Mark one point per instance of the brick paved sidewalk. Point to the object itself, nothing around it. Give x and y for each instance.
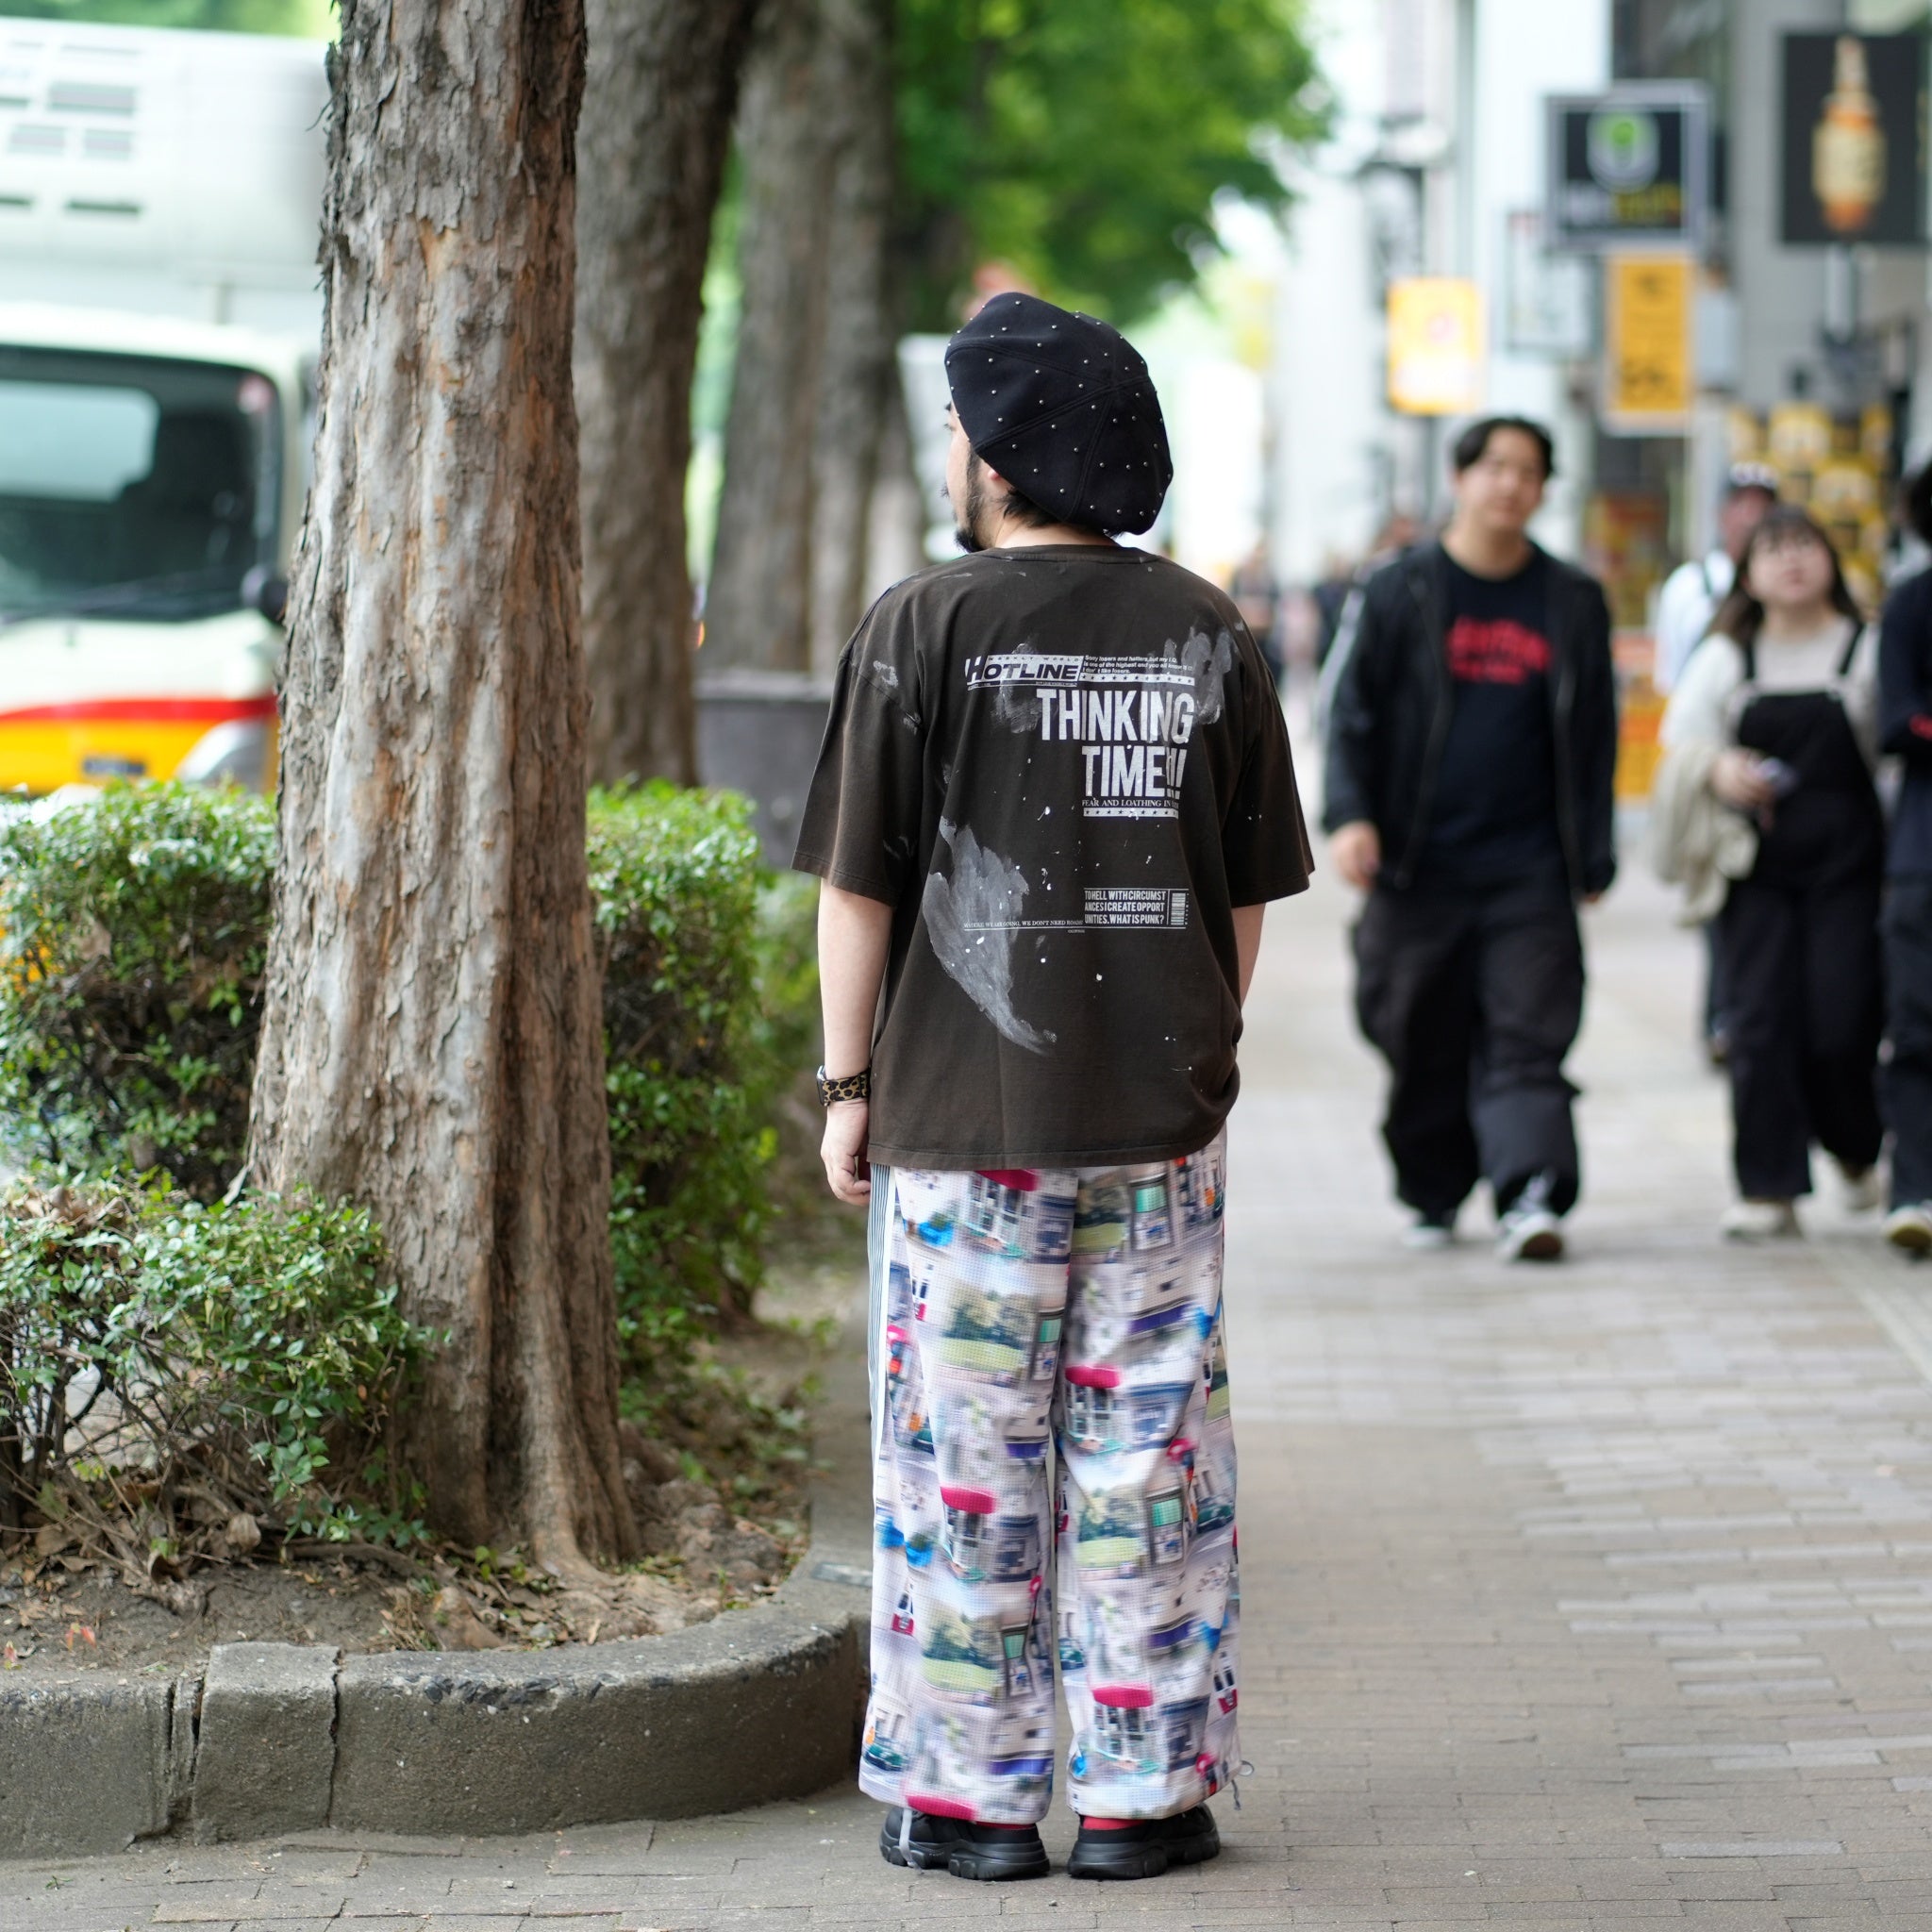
(1594, 1597)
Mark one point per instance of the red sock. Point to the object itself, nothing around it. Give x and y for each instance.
(1107, 1823)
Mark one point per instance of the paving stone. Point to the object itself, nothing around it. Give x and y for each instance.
(202, 1911)
(441, 1922)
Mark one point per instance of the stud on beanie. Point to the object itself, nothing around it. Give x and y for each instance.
(1063, 408)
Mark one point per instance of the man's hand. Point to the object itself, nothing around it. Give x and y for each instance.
(1739, 780)
(842, 1150)
(1356, 853)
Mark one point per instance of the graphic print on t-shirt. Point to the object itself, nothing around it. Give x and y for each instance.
(1494, 809)
(1129, 719)
(1061, 767)
(1496, 650)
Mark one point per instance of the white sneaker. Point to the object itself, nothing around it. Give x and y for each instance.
(1530, 1230)
(1427, 1236)
(1761, 1220)
(1859, 1190)
(1909, 1228)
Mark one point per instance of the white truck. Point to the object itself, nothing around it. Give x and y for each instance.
(159, 321)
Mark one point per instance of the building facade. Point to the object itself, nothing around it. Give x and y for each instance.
(1813, 356)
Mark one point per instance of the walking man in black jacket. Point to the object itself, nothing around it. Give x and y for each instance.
(1472, 747)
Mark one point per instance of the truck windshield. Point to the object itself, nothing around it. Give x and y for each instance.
(142, 487)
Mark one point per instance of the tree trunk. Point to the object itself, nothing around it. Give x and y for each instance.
(758, 601)
(859, 340)
(432, 1043)
(661, 88)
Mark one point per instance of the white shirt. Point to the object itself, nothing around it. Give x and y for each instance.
(1685, 606)
(1704, 709)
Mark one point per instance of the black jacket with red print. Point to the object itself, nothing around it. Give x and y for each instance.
(1393, 696)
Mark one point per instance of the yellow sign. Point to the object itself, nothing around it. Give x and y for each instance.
(1435, 345)
(1649, 301)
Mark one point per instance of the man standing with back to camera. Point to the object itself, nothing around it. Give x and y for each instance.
(1054, 799)
(1471, 758)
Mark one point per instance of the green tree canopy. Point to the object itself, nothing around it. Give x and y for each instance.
(1084, 141)
(230, 16)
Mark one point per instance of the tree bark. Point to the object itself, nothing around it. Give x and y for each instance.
(858, 364)
(758, 600)
(660, 91)
(432, 1043)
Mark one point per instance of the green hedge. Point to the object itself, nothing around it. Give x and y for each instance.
(133, 932)
(169, 1367)
(710, 994)
(132, 936)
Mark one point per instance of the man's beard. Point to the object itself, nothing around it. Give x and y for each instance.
(969, 518)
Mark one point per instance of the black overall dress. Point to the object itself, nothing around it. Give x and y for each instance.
(1801, 949)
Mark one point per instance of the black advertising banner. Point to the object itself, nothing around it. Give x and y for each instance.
(1627, 169)
(1853, 140)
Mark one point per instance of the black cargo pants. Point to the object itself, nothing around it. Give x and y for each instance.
(1802, 981)
(1474, 998)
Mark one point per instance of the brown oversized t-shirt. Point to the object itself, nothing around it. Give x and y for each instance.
(1063, 767)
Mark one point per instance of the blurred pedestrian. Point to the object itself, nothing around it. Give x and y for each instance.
(1339, 602)
(1694, 591)
(1685, 606)
(1775, 720)
(1470, 750)
(1399, 532)
(1054, 799)
(1257, 598)
(1329, 593)
(1338, 596)
(1904, 731)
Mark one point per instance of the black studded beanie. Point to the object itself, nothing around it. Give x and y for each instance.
(1063, 408)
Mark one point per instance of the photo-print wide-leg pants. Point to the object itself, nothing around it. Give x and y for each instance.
(1049, 1378)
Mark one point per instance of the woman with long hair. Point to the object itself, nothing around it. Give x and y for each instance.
(1774, 717)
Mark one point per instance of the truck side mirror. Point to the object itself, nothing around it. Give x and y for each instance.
(263, 591)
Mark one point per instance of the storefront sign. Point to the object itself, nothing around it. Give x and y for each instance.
(1435, 345)
(1853, 140)
(1628, 169)
(1649, 380)
(1547, 304)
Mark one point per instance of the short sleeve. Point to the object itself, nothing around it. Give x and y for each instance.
(860, 825)
(1264, 838)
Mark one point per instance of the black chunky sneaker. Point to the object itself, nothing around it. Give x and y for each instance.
(1146, 1848)
(958, 1845)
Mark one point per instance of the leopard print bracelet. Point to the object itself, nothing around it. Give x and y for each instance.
(848, 1086)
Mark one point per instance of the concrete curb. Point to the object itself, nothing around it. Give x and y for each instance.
(760, 1704)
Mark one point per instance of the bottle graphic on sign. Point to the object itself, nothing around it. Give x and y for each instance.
(1848, 144)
